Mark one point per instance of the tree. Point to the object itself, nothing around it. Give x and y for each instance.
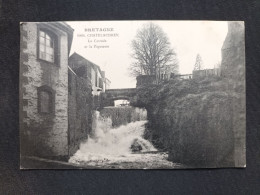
(152, 52)
(199, 63)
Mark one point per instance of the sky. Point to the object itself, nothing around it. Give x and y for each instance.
(187, 38)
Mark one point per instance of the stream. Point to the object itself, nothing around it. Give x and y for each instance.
(121, 147)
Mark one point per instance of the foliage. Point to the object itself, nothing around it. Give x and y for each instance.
(192, 119)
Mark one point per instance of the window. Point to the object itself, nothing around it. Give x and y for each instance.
(45, 104)
(45, 100)
(101, 83)
(46, 47)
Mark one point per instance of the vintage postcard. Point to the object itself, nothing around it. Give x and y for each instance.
(132, 95)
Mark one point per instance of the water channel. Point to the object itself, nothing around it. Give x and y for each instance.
(121, 147)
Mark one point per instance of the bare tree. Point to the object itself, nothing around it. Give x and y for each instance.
(199, 63)
(152, 52)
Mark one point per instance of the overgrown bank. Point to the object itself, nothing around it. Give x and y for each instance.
(201, 122)
(192, 119)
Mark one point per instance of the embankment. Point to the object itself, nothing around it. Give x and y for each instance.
(193, 120)
(201, 122)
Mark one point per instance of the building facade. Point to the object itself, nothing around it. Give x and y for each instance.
(44, 51)
(87, 69)
(57, 93)
(91, 72)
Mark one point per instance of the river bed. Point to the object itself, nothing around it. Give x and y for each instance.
(122, 147)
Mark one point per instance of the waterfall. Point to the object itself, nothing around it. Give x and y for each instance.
(108, 142)
(124, 114)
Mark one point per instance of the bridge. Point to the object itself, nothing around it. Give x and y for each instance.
(110, 95)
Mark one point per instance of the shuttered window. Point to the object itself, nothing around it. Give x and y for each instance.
(46, 99)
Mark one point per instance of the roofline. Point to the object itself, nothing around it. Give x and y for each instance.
(88, 61)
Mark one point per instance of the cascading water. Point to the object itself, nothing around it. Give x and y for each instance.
(120, 147)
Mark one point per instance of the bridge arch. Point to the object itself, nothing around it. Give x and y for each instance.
(110, 95)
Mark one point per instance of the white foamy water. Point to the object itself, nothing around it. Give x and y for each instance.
(111, 147)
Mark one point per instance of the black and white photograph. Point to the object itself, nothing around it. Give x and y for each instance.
(133, 94)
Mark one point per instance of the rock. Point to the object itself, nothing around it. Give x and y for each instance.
(136, 146)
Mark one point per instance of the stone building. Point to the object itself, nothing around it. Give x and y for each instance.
(91, 72)
(87, 69)
(56, 92)
(44, 51)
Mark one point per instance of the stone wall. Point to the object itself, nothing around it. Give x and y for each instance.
(79, 111)
(43, 134)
